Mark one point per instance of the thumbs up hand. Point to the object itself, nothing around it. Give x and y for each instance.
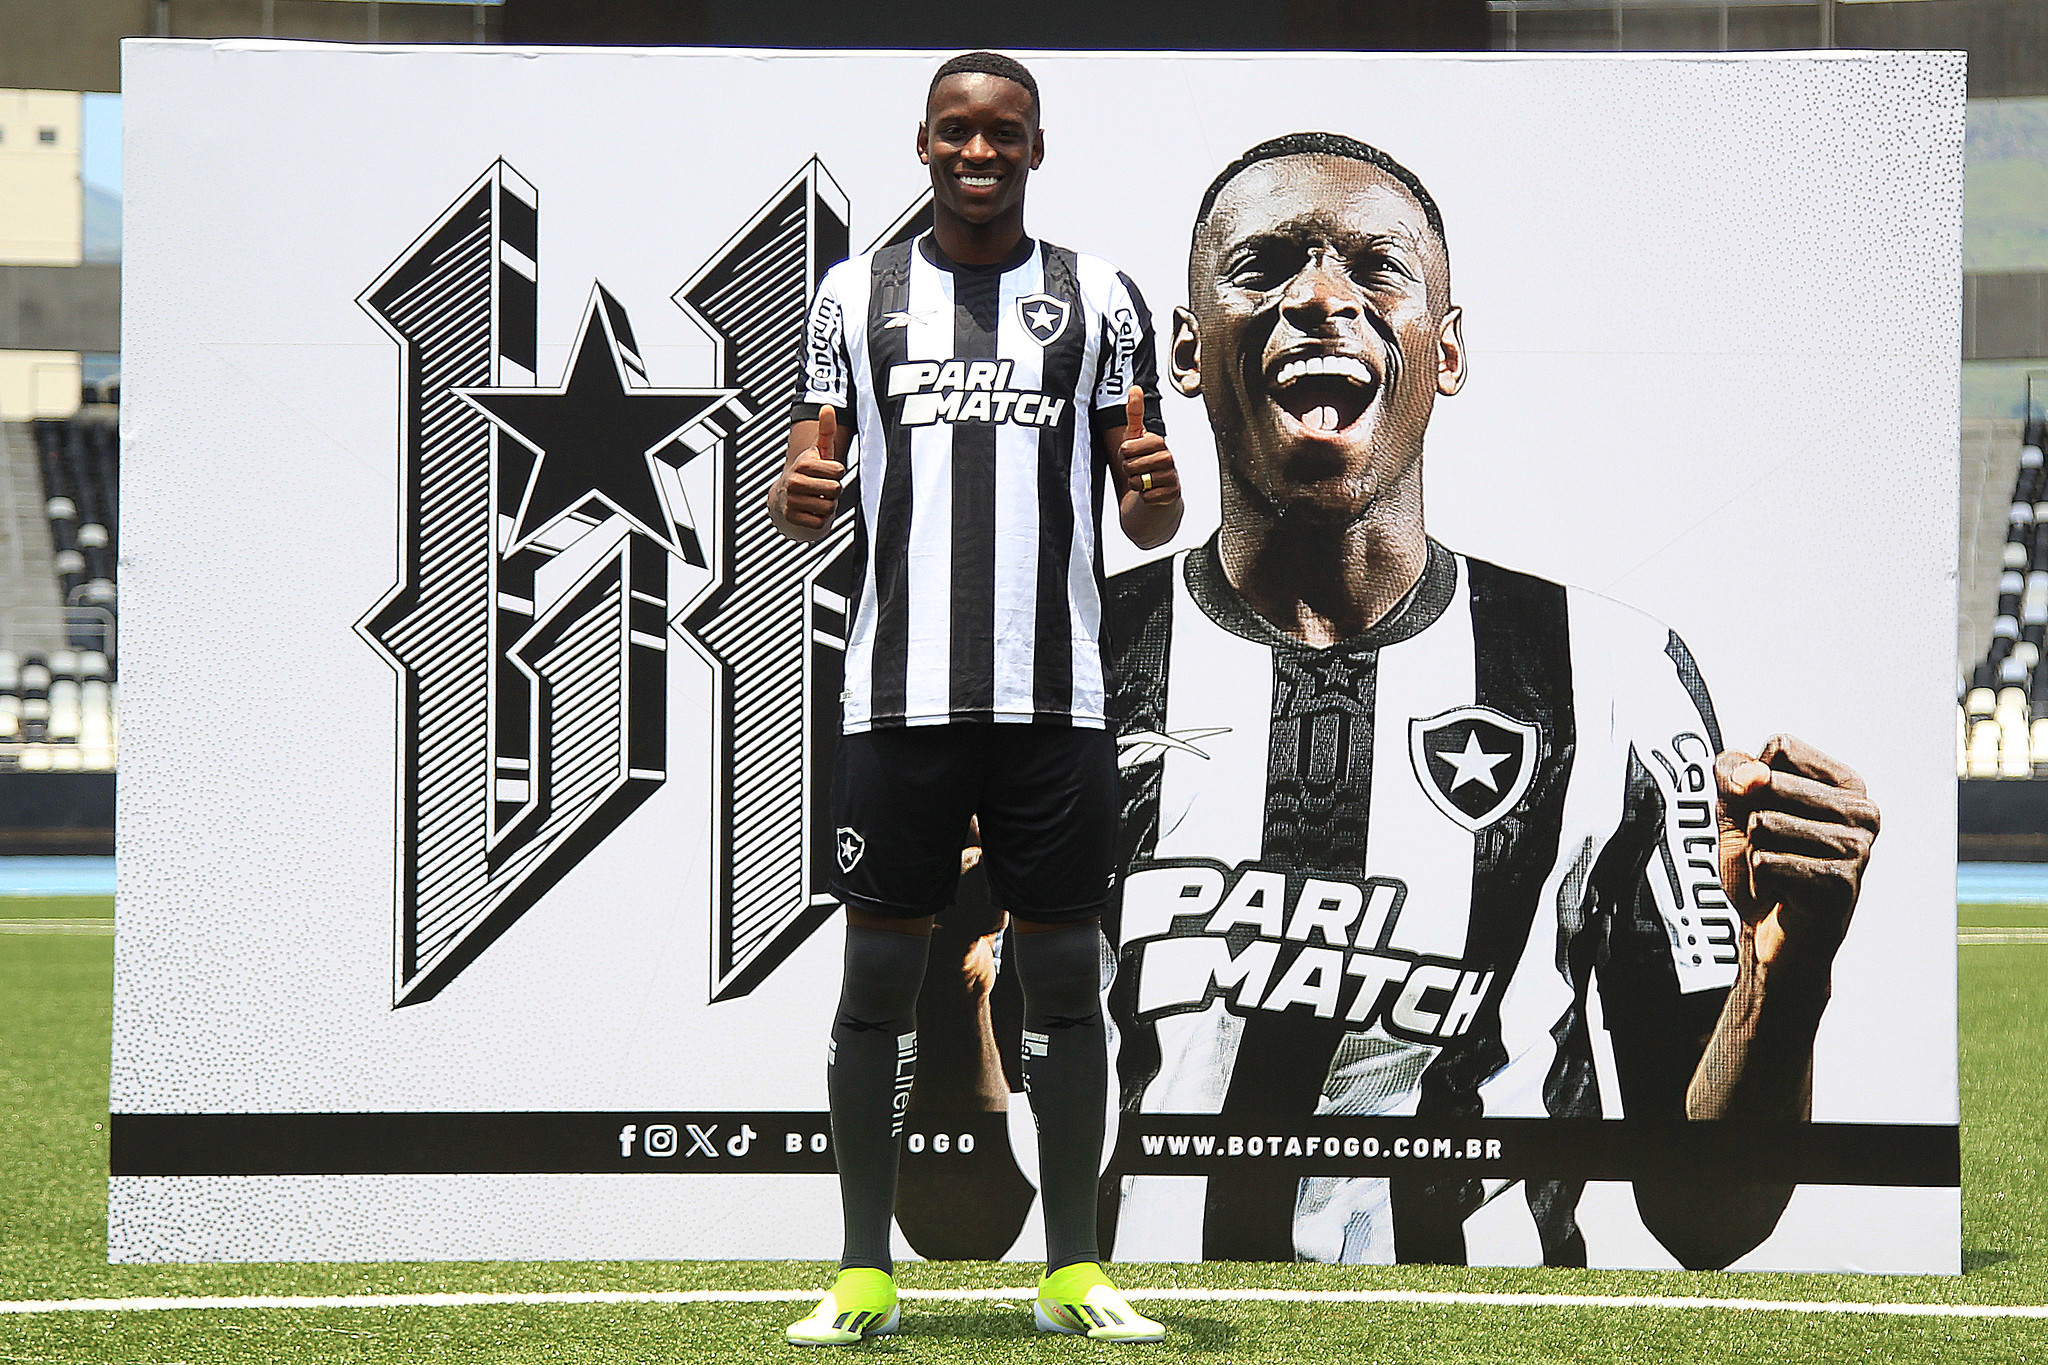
(803, 498)
(1143, 463)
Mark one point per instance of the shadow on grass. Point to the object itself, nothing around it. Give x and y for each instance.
(1978, 1259)
(987, 1323)
(1191, 1334)
(1198, 1334)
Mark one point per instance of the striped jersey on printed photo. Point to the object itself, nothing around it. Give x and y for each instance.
(1460, 866)
(976, 393)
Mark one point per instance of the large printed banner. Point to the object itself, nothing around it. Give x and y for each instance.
(475, 819)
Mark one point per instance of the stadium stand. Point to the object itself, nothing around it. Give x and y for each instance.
(81, 469)
(59, 515)
(2002, 702)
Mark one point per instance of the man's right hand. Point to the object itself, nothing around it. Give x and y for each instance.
(804, 497)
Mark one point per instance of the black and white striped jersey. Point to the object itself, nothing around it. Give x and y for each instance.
(1461, 866)
(976, 393)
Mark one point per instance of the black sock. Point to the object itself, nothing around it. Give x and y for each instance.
(872, 1059)
(1066, 1069)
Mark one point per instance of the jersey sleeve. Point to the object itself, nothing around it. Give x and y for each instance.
(827, 372)
(1669, 952)
(1129, 355)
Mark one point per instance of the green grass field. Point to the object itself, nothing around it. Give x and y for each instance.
(55, 996)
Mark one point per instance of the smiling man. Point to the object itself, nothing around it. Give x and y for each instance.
(994, 384)
(1407, 834)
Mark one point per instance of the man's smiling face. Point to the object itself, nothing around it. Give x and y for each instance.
(981, 139)
(1321, 335)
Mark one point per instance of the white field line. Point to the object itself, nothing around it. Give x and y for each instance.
(1023, 1294)
(1966, 937)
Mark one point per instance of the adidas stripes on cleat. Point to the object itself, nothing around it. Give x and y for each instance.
(1080, 1300)
(860, 1304)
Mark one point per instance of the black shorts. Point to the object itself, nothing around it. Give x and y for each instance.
(1046, 796)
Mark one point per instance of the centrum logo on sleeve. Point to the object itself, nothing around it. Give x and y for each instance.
(969, 391)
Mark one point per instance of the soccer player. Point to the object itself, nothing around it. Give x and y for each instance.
(1406, 833)
(992, 381)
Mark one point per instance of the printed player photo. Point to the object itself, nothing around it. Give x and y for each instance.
(1405, 832)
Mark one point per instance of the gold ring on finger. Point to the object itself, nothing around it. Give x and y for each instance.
(1145, 482)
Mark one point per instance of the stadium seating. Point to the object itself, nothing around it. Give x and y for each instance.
(57, 711)
(2002, 706)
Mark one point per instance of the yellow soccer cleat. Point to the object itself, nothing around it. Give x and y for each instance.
(860, 1304)
(1080, 1300)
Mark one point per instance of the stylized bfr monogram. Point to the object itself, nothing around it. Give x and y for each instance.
(551, 563)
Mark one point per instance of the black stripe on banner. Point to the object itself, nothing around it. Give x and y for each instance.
(798, 1142)
(977, 299)
(1138, 621)
(647, 696)
(1695, 686)
(1571, 1088)
(1894, 1155)
(1658, 1029)
(1318, 797)
(518, 296)
(889, 539)
(1522, 666)
(759, 1142)
(1052, 642)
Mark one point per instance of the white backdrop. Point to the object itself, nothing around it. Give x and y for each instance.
(1711, 305)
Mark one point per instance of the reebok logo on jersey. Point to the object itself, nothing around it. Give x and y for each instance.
(1142, 746)
(1260, 938)
(1473, 762)
(1044, 316)
(969, 391)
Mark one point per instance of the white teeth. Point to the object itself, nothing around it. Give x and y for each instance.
(1343, 366)
(977, 180)
(1321, 419)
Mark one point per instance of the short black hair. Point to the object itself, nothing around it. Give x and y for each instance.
(1323, 144)
(987, 64)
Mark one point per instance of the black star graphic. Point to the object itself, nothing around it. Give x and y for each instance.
(596, 435)
(1330, 679)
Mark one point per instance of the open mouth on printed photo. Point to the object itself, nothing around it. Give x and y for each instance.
(1324, 394)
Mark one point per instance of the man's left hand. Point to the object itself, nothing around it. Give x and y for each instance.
(1143, 459)
(1796, 828)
